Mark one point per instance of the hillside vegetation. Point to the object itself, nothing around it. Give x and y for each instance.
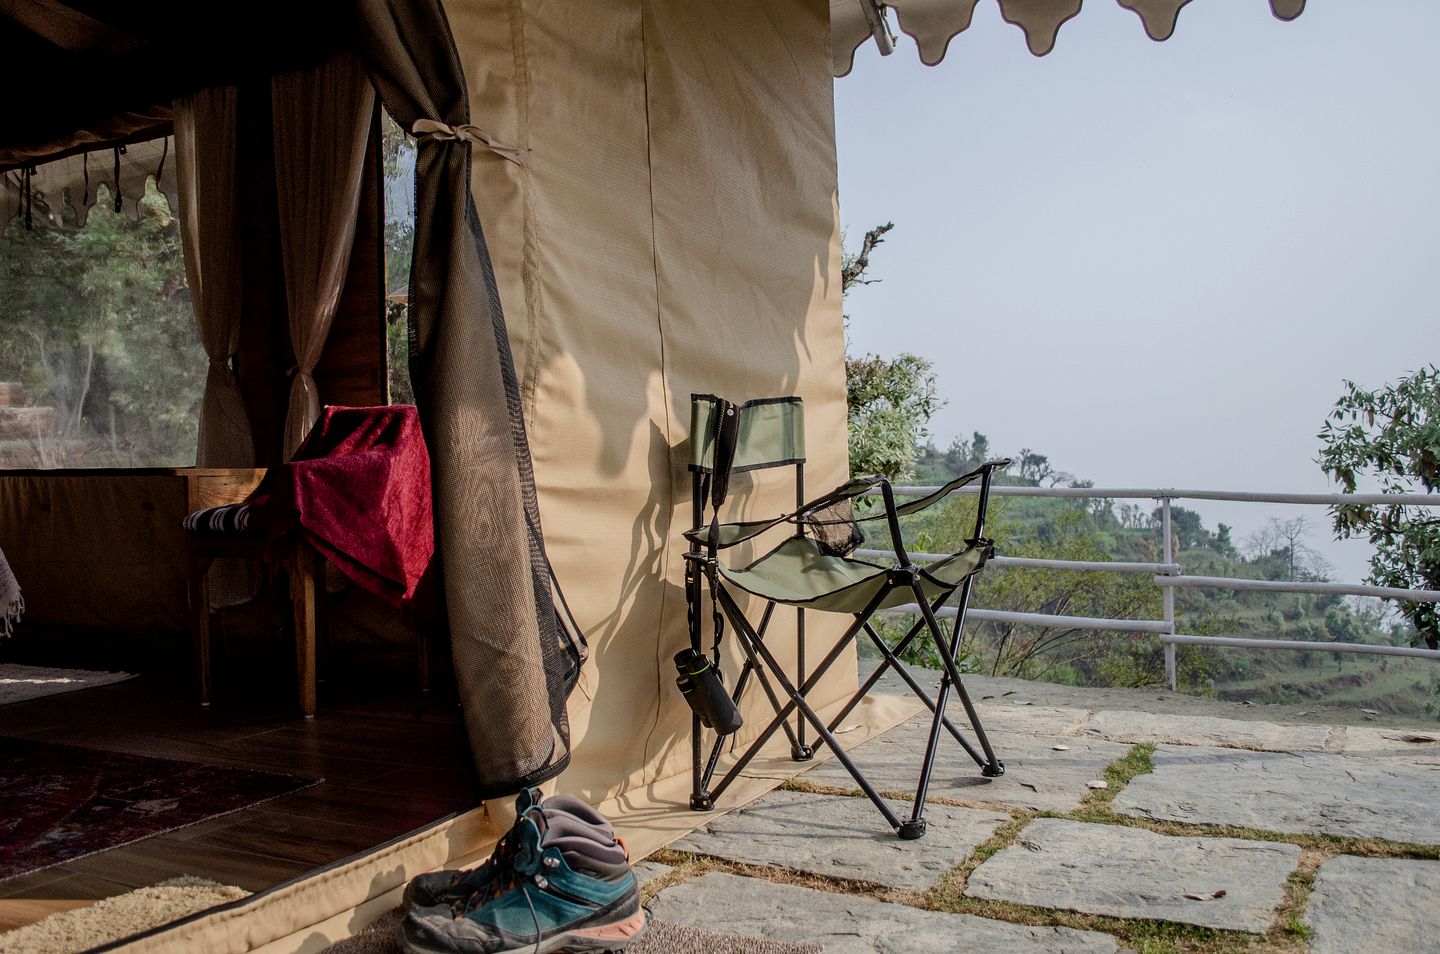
(1103, 530)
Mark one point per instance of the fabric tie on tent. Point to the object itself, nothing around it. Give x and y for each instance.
(466, 132)
(358, 491)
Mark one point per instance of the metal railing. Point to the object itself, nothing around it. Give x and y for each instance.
(1168, 575)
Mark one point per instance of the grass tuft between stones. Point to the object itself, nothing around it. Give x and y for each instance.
(1122, 771)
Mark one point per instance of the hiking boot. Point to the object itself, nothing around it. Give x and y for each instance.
(451, 886)
(563, 890)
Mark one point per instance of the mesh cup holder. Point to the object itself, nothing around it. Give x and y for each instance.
(834, 528)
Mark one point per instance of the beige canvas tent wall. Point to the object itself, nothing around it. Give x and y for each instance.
(673, 231)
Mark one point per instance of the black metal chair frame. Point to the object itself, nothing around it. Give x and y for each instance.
(702, 570)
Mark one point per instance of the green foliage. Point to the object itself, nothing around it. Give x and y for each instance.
(890, 402)
(962, 456)
(397, 354)
(1098, 531)
(97, 324)
(399, 165)
(1121, 772)
(1392, 435)
(1050, 529)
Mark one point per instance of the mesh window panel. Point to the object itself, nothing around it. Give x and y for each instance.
(514, 662)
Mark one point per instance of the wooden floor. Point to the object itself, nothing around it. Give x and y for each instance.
(391, 763)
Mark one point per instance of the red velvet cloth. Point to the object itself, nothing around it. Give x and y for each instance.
(358, 491)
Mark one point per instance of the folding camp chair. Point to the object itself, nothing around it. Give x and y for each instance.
(813, 568)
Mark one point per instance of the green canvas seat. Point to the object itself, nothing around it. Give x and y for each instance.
(814, 568)
(800, 573)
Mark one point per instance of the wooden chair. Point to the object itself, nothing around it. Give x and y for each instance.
(216, 487)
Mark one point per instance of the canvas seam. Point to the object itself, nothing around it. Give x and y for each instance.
(669, 510)
(530, 285)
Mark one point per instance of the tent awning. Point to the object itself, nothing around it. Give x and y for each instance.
(932, 24)
(108, 78)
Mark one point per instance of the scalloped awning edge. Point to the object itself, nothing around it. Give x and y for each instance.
(932, 24)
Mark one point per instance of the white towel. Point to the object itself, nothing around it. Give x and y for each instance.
(12, 604)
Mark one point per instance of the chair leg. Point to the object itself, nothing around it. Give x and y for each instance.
(797, 699)
(892, 662)
(748, 639)
(202, 629)
(302, 594)
(942, 697)
(752, 666)
(993, 767)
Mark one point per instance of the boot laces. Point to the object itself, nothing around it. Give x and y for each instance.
(502, 879)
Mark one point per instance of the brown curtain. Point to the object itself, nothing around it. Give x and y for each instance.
(205, 166)
(322, 121)
(513, 661)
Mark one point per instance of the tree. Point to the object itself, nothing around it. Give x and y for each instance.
(1033, 467)
(1223, 544)
(1285, 540)
(1391, 435)
(97, 324)
(890, 400)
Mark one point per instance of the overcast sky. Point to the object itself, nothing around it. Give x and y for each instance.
(1156, 262)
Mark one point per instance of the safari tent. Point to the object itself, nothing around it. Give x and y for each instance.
(618, 205)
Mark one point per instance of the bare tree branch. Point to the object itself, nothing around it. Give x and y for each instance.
(852, 271)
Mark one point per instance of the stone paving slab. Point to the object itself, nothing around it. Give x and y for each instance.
(1036, 775)
(1133, 873)
(1308, 793)
(1125, 726)
(1024, 717)
(1374, 904)
(1004, 710)
(848, 924)
(842, 837)
(1421, 745)
(648, 871)
(989, 689)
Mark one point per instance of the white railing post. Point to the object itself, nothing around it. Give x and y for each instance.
(1168, 549)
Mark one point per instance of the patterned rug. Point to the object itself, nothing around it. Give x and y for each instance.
(19, 683)
(60, 802)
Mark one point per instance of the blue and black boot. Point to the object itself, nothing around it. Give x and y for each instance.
(458, 886)
(564, 890)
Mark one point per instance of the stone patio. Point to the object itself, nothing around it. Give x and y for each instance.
(843, 838)
(1299, 792)
(1042, 860)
